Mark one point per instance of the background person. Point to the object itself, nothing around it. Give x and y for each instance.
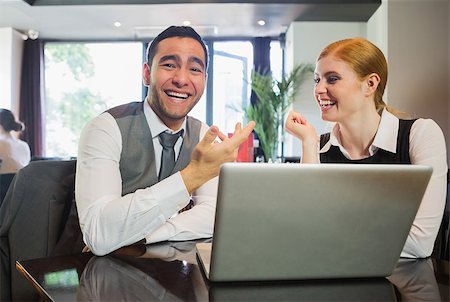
(121, 196)
(351, 77)
(14, 153)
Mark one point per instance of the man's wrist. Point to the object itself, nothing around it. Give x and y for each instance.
(192, 177)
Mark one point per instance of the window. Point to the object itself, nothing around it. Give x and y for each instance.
(276, 59)
(81, 81)
(233, 62)
(84, 79)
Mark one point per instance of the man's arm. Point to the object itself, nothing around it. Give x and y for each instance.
(198, 222)
(207, 158)
(107, 219)
(110, 221)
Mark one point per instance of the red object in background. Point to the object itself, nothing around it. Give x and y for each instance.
(245, 153)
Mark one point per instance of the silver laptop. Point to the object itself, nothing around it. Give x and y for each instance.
(306, 221)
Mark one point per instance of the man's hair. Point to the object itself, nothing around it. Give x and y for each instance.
(175, 31)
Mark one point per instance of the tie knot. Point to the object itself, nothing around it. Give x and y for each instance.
(168, 140)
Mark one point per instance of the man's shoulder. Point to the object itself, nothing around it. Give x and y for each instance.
(129, 109)
(194, 120)
(194, 124)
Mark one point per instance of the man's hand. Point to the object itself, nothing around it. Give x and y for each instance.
(210, 154)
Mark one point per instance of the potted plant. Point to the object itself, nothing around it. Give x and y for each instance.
(274, 98)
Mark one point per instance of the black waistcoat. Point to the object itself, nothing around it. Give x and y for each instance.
(334, 155)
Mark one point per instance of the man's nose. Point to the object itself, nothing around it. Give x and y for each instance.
(181, 77)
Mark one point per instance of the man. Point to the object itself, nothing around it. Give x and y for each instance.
(122, 193)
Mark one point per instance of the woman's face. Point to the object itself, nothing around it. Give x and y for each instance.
(338, 90)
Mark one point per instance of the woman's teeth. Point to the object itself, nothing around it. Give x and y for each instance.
(326, 103)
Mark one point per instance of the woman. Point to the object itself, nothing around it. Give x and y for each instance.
(350, 79)
(14, 153)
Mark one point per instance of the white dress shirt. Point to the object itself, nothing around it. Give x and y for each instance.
(14, 153)
(426, 147)
(109, 220)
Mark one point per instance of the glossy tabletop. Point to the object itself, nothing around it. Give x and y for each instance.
(169, 271)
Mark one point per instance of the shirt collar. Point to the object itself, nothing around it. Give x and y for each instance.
(385, 138)
(155, 124)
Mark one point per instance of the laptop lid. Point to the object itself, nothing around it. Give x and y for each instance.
(306, 221)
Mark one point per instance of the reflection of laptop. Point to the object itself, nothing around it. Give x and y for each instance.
(366, 289)
(294, 221)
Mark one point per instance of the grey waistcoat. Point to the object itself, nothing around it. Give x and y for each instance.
(137, 160)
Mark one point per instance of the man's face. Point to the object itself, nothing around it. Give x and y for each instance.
(176, 79)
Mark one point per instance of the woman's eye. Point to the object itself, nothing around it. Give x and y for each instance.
(332, 79)
(316, 80)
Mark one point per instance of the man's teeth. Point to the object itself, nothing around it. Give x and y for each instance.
(177, 95)
(326, 103)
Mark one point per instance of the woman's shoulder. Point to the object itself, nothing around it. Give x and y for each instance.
(426, 124)
(13, 143)
(23, 144)
(426, 132)
(4, 142)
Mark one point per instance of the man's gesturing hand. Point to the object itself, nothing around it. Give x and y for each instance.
(210, 154)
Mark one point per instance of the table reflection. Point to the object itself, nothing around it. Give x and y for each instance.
(169, 271)
(414, 280)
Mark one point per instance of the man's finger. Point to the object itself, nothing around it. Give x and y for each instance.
(240, 136)
(237, 128)
(222, 136)
(248, 129)
(210, 135)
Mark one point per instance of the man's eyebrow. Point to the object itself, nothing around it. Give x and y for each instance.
(198, 61)
(192, 59)
(168, 58)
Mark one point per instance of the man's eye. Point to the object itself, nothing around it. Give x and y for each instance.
(170, 65)
(195, 69)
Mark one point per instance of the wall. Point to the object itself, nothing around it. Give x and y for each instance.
(419, 59)
(11, 49)
(304, 41)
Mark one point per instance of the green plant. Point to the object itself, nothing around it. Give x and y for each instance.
(274, 98)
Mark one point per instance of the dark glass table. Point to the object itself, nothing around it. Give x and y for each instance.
(169, 271)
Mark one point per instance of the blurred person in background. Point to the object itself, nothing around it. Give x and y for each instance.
(14, 152)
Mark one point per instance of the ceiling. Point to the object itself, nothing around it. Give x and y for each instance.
(143, 19)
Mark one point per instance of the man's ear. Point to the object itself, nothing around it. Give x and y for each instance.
(372, 82)
(146, 74)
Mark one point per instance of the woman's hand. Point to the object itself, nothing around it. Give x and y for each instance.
(299, 127)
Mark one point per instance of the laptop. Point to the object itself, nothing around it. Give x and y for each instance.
(311, 221)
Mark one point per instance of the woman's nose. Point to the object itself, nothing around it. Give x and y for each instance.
(320, 87)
